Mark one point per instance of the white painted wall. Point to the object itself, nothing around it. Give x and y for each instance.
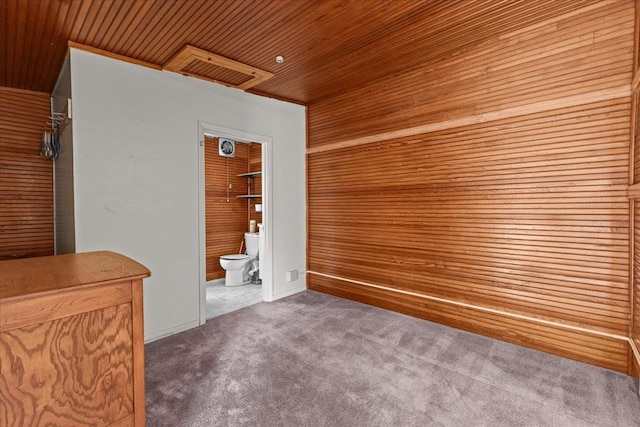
(135, 134)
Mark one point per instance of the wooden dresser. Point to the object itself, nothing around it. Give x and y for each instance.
(72, 341)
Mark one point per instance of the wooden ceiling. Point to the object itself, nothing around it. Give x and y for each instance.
(330, 46)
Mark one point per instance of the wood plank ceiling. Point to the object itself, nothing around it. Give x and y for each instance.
(330, 46)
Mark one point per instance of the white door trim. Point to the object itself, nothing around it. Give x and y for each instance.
(267, 162)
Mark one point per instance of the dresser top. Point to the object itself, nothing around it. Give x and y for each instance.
(51, 273)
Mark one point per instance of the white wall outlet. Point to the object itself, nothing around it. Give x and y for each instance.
(292, 275)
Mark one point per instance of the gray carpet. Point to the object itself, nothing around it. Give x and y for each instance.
(317, 360)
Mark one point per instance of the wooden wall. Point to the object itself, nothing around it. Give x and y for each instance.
(227, 218)
(26, 179)
(488, 191)
(255, 165)
(634, 331)
(635, 294)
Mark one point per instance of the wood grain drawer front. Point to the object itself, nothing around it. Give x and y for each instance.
(32, 309)
(83, 371)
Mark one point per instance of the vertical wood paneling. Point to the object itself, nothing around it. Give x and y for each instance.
(26, 181)
(227, 218)
(526, 215)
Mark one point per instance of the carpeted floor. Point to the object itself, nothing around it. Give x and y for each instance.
(316, 360)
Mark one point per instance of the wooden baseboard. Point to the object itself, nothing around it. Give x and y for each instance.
(595, 348)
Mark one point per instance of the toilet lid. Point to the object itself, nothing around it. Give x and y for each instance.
(235, 256)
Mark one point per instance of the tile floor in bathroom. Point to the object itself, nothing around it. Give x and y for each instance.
(222, 299)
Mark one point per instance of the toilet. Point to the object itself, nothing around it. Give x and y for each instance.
(238, 266)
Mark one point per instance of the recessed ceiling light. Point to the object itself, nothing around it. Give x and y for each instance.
(279, 59)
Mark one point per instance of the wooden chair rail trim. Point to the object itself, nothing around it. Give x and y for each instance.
(521, 110)
(72, 44)
(634, 348)
(477, 307)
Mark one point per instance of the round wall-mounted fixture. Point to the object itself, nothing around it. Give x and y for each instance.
(279, 59)
(226, 147)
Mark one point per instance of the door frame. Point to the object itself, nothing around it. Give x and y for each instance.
(266, 142)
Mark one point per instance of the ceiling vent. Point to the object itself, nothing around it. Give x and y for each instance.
(198, 63)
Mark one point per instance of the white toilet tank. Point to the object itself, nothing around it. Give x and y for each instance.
(251, 241)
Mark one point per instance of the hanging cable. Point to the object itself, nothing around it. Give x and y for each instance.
(227, 179)
(50, 145)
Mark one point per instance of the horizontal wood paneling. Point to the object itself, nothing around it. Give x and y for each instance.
(636, 50)
(490, 214)
(524, 213)
(26, 180)
(636, 137)
(634, 330)
(635, 326)
(578, 54)
(227, 218)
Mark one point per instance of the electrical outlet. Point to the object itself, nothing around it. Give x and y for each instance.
(292, 275)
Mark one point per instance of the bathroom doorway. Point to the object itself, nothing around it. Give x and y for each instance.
(233, 213)
(234, 195)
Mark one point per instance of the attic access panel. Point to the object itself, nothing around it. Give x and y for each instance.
(201, 64)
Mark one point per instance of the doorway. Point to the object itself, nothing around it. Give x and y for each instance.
(242, 195)
(233, 217)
